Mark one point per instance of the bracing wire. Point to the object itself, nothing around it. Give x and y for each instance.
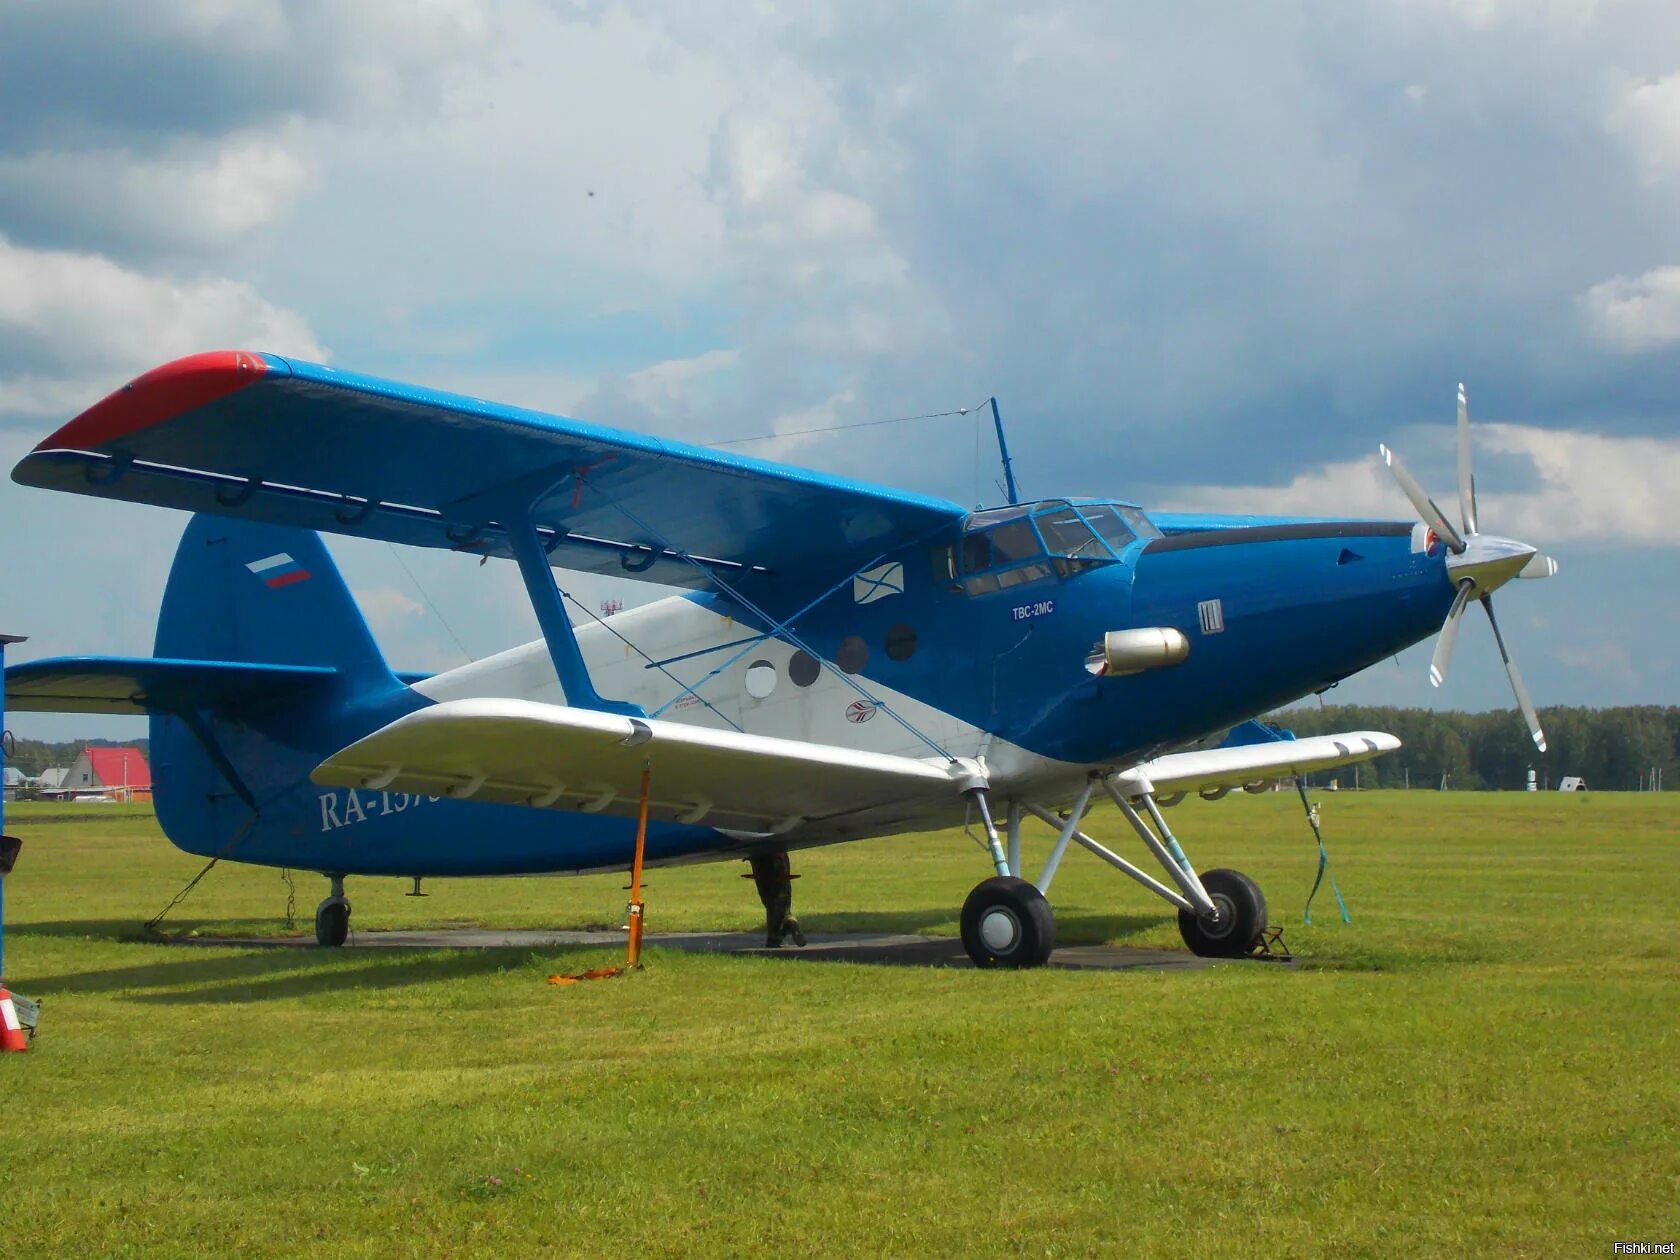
(836, 428)
(436, 612)
(652, 664)
(784, 630)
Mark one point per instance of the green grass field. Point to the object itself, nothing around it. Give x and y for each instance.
(1487, 1059)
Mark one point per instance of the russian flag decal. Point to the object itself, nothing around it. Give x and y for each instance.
(278, 570)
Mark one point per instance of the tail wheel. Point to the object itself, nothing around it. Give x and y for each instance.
(1240, 922)
(332, 922)
(1006, 922)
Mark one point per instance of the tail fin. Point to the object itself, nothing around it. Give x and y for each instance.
(246, 591)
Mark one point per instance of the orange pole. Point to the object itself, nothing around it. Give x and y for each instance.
(634, 958)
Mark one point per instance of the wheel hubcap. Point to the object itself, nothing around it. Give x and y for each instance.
(999, 930)
(1224, 919)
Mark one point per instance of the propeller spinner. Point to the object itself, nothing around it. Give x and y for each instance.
(1478, 564)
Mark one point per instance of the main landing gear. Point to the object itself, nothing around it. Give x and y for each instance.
(1007, 921)
(332, 916)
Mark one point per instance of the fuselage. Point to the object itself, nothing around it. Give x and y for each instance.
(960, 646)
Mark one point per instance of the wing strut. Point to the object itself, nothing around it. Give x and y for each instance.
(528, 550)
(514, 507)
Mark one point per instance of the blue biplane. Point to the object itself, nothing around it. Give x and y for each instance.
(844, 660)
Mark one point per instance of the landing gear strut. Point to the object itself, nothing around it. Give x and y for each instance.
(332, 916)
(774, 878)
(1007, 922)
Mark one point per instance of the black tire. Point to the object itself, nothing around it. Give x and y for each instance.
(1007, 923)
(332, 923)
(1242, 917)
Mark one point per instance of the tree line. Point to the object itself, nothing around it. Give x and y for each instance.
(1612, 749)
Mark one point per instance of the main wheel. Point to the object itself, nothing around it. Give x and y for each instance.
(332, 922)
(1007, 923)
(1240, 923)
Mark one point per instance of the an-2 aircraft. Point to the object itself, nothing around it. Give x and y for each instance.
(847, 660)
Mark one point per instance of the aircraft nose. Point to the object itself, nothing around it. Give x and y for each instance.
(1490, 561)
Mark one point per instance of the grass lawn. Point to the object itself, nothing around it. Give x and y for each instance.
(1487, 1058)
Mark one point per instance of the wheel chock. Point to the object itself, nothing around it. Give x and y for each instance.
(12, 1036)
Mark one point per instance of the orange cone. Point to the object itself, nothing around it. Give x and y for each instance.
(11, 1031)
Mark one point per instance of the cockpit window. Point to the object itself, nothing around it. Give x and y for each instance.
(1023, 543)
(1066, 533)
(1118, 525)
(1003, 544)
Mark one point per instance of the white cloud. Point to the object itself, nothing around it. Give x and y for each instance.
(1357, 487)
(1630, 315)
(1483, 14)
(667, 388)
(193, 197)
(387, 609)
(1594, 489)
(1647, 118)
(86, 323)
(793, 428)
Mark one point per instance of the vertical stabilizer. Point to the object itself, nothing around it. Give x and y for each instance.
(244, 591)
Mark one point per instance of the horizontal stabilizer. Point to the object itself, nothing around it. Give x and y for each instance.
(519, 752)
(130, 685)
(1211, 769)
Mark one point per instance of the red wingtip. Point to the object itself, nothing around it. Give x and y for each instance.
(159, 395)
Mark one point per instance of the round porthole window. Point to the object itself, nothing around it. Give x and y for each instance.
(852, 654)
(761, 679)
(803, 669)
(901, 642)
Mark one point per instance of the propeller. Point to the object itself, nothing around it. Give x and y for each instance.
(1478, 564)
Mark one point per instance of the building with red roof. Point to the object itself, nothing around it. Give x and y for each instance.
(119, 772)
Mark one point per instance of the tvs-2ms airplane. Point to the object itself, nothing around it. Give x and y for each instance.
(848, 660)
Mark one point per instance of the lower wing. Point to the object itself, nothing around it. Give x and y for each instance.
(1221, 769)
(520, 752)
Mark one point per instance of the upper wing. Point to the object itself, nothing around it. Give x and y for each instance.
(1226, 768)
(258, 436)
(519, 752)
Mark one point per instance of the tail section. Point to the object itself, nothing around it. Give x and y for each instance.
(233, 778)
(241, 591)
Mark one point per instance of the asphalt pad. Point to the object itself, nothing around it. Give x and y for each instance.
(881, 949)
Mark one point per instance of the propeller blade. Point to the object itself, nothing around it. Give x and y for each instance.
(1426, 507)
(1521, 692)
(1466, 479)
(1449, 635)
(1541, 566)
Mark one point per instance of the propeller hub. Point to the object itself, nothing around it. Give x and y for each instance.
(1489, 562)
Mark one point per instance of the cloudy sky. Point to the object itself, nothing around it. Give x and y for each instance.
(1205, 255)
